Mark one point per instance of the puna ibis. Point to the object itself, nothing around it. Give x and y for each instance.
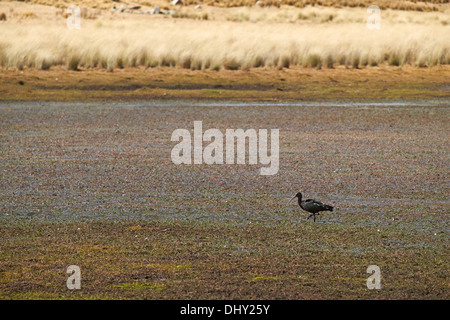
(311, 205)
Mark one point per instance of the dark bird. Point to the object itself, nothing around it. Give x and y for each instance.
(311, 205)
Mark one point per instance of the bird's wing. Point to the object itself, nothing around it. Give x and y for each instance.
(312, 205)
(314, 202)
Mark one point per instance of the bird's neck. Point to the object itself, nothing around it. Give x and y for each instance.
(300, 200)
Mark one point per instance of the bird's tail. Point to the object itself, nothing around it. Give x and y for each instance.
(328, 208)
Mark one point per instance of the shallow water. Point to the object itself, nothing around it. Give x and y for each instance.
(233, 103)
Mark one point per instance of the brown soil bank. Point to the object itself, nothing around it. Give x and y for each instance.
(378, 83)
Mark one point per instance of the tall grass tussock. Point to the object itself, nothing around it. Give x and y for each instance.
(230, 44)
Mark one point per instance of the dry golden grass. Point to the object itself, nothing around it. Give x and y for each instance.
(414, 5)
(232, 39)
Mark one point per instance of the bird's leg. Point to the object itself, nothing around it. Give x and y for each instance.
(309, 216)
(314, 215)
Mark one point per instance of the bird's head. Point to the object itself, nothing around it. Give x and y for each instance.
(298, 195)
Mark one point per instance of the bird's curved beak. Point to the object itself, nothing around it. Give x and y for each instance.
(292, 199)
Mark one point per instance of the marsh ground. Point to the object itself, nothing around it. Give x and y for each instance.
(92, 184)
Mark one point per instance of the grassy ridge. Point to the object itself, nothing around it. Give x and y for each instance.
(415, 5)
